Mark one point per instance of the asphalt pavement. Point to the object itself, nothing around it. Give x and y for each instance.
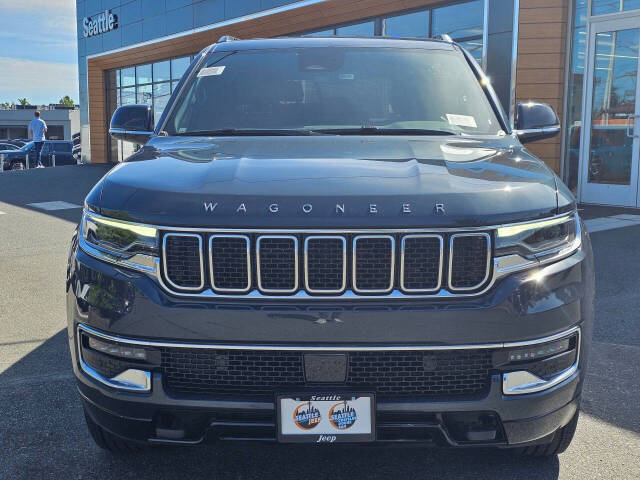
(42, 430)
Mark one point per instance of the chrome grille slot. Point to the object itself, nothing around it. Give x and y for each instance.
(373, 263)
(230, 263)
(325, 264)
(421, 258)
(182, 259)
(469, 260)
(277, 263)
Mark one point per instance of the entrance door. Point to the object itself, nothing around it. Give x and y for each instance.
(610, 137)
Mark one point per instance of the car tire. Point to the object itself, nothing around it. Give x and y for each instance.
(559, 443)
(110, 442)
(17, 166)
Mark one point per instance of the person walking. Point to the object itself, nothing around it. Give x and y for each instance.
(37, 129)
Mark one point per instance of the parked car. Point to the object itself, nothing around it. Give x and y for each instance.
(355, 247)
(17, 159)
(7, 146)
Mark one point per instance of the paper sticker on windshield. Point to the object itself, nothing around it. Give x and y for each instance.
(209, 71)
(462, 120)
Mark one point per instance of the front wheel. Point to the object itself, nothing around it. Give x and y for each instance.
(559, 443)
(17, 166)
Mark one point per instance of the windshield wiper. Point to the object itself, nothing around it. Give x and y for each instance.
(384, 131)
(247, 132)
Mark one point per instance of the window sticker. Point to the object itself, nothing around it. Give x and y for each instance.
(462, 120)
(209, 71)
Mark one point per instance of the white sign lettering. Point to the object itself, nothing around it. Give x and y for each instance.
(101, 23)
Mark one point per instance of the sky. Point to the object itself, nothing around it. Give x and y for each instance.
(38, 51)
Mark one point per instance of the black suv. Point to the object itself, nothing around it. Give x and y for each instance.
(54, 153)
(331, 240)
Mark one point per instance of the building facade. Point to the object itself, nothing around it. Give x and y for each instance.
(581, 56)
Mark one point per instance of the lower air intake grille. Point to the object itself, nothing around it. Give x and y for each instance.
(469, 256)
(183, 261)
(454, 373)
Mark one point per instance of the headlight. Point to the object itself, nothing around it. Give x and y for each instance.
(129, 244)
(529, 244)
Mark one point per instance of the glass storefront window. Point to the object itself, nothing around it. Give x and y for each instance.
(574, 96)
(161, 71)
(410, 25)
(179, 66)
(321, 33)
(128, 95)
(143, 94)
(161, 94)
(128, 76)
(601, 7)
(364, 29)
(459, 21)
(143, 74)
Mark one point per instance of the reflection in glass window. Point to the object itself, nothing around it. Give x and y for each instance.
(410, 25)
(161, 71)
(459, 21)
(174, 85)
(128, 76)
(474, 47)
(161, 94)
(179, 66)
(143, 74)
(144, 94)
(321, 33)
(601, 7)
(359, 29)
(128, 95)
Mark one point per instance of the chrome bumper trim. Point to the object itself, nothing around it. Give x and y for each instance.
(315, 348)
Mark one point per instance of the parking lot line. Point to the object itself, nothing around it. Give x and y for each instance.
(54, 205)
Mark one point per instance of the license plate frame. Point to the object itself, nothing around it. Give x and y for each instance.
(338, 428)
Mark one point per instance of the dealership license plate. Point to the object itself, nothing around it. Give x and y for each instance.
(326, 418)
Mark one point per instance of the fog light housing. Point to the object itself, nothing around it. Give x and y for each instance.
(537, 367)
(123, 351)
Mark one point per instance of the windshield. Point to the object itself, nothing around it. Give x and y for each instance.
(26, 146)
(342, 90)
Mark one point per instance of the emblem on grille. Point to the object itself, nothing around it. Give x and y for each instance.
(307, 207)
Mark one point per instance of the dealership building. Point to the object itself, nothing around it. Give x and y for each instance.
(581, 56)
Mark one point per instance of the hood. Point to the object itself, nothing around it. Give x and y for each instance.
(330, 182)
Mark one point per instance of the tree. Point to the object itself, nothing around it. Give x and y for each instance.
(23, 101)
(5, 105)
(67, 101)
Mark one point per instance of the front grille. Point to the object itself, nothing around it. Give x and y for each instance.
(454, 373)
(469, 259)
(347, 264)
(278, 264)
(374, 258)
(230, 263)
(183, 261)
(325, 265)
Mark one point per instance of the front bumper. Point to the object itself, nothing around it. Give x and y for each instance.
(519, 308)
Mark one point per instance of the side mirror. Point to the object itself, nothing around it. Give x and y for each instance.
(535, 121)
(132, 123)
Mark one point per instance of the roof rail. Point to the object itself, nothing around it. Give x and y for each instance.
(227, 38)
(443, 36)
